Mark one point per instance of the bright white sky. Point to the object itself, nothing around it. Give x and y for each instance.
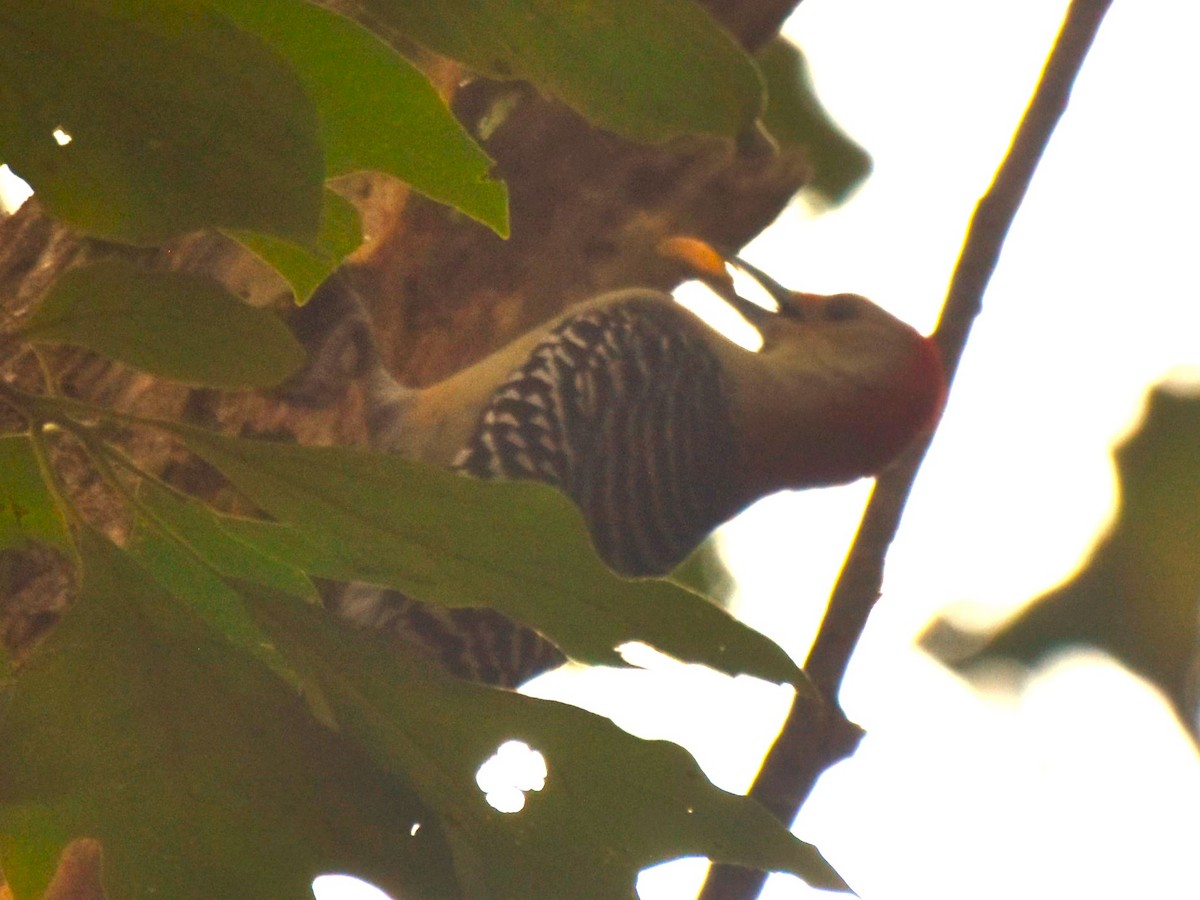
(1081, 784)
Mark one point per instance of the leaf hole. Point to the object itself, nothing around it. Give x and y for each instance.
(509, 773)
(345, 887)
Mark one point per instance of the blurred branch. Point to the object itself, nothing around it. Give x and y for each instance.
(815, 737)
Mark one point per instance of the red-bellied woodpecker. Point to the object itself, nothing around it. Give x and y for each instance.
(657, 427)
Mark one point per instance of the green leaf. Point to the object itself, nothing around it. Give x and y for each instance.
(306, 267)
(377, 111)
(200, 774)
(209, 597)
(648, 69)
(137, 120)
(28, 508)
(200, 528)
(172, 324)
(1138, 596)
(612, 803)
(519, 547)
(187, 552)
(796, 118)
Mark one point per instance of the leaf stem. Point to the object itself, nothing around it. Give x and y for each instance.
(98, 455)
(815, 737)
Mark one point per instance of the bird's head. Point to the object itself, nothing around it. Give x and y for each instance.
(839, 388)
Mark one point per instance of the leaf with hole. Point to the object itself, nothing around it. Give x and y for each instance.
(138, 120)
(612, 803)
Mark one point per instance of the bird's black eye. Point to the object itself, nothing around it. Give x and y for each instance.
(793, 311)
(842, 308)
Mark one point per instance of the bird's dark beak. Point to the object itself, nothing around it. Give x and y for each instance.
(778, 292)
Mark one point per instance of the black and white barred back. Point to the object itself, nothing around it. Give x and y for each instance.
(622, 407)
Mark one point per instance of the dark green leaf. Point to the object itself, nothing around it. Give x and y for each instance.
(437, 536)
(28, 509)
(647, 69)
(795, 118)
(140, 119)
(1138, 596)
(200, 774)
(210, 597)
(171, 324)
(306, 267)
(377, 111)
(186, 551)
(199, 527)
(612, 803)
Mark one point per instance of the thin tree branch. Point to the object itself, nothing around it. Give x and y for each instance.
(814, 737)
